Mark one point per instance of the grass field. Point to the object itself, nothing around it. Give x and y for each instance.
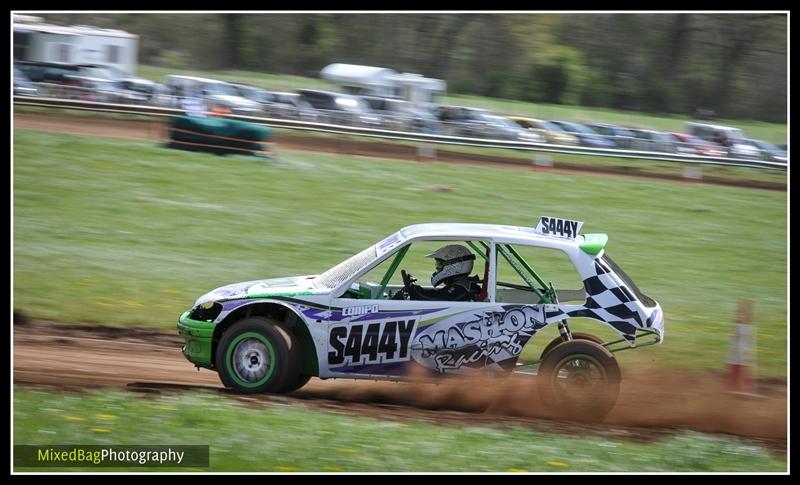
(281, 438)
(776, 133)
(122, 232)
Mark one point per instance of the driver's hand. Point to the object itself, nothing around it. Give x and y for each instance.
(414, 291)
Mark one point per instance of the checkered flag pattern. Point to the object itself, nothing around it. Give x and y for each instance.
(610, 302)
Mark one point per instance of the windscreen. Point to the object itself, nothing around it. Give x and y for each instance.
(646, 300)
(346, 269)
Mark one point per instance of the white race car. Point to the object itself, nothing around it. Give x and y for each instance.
(358, 320)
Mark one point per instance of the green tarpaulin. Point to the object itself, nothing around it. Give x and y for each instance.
(220, 136)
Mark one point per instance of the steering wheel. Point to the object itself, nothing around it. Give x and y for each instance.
(405, 293)
(407, 279)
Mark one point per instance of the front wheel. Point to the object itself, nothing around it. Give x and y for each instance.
(258, 355)
(581, 379)
(301, 381)
(575, 336)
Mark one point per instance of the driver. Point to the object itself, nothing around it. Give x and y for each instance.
(453, 266)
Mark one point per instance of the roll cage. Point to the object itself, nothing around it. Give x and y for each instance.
(534, 282)
(489, 250)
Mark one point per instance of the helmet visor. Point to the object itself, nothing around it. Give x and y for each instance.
(439, 264)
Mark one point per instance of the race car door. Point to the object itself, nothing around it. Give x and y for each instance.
(375, 331)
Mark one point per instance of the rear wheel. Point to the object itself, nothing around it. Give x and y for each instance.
(580, 379)
(258, 355)
(575, 336)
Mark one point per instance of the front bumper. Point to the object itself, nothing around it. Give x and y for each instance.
(198, 336)
(658, 322)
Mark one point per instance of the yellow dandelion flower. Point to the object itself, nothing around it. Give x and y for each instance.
(517, 470)
(99, 430)
(287, 469)
(558, 464)
(105, 417)
(74, 418)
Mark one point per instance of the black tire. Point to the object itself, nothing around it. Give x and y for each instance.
(579, 379)
(575, 336)
(258, 354)
(300, 382)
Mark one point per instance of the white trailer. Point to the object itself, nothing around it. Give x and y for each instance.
(35, 40)
(384, 82)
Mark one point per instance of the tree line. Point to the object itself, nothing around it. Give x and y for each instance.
(732, 65)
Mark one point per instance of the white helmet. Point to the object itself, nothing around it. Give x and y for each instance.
(451, 260)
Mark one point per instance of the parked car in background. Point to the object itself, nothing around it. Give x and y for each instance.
(721, 135)
(769, 152)
(22, 85)
(622, 137)
(502, 128)
(743, 149)
(458, 120)
(292, 106)
(340, 108)
(691, 145)
(213, 93)
(162, 96)
(479, 123)
(586, 135)
(91, 82)
(652, 141)
(261, 96)
(46, 72)
(54, 79)
(108, 84)
(398, 114)
(149, 89)
(551, 132)
(123, 79)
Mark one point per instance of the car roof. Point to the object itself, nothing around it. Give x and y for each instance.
(524, 118)
(328, 93)
(713, 127)
(499, 232)
(467, 108)
(198, 79)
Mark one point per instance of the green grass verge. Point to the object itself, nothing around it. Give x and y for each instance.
(772, 132)
(280, 438)
(129, 232)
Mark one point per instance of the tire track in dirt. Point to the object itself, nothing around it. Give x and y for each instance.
(651, 404)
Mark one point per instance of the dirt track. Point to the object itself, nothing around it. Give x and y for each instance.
(77, 357)
(155, 130)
